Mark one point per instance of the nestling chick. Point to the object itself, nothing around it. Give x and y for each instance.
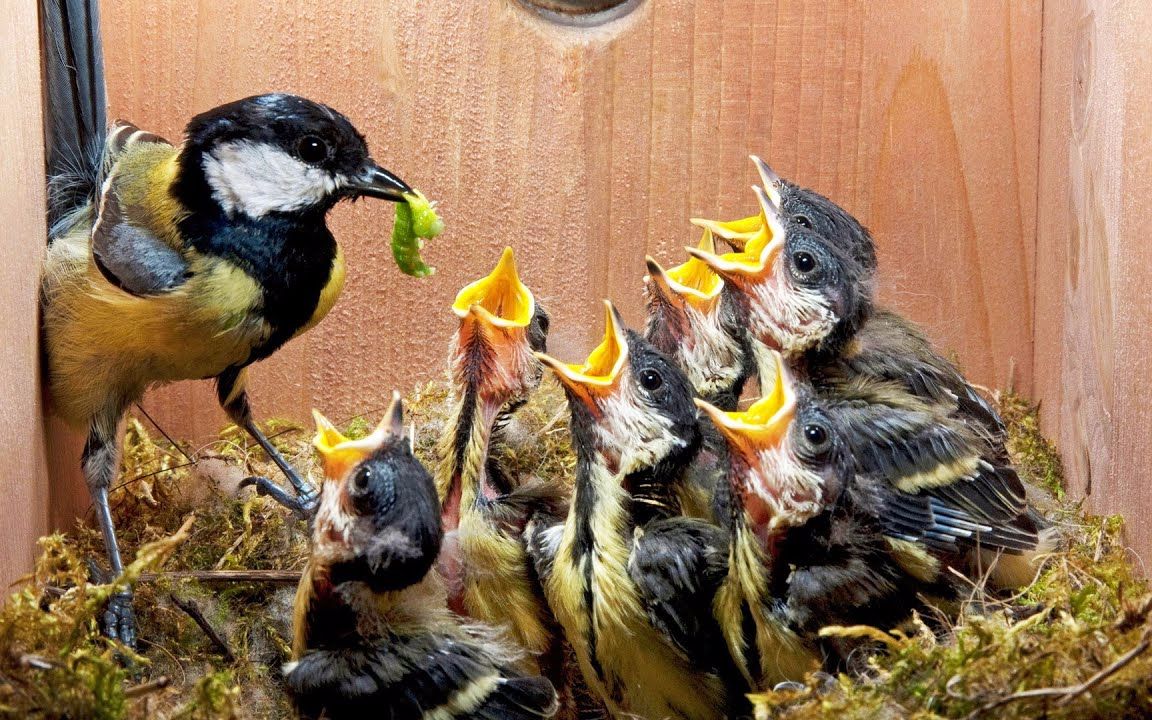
(629, 581)
(195, 261)
(373, 637)
(809, 545)
(813, 301)
(693, 319)
(493, 368)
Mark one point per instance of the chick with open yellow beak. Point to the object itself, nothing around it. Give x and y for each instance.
(695, 320)
(372, 634)
(769, 489)
(484, 509)
(630, 582)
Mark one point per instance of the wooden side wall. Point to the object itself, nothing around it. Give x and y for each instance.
(24, 483)
(1094, 259)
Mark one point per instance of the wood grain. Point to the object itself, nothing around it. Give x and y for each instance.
(24, 484)
(588, 147)
(1094, 261)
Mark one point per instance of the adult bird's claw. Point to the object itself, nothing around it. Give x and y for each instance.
(120, 619)
(303, 505)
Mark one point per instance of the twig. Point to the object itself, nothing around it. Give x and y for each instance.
(277, 577)
(193, 611)
(148, 688)
(1068, 694)
(1141, 647)
(35, 662)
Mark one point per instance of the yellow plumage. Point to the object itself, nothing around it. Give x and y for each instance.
(782, 653)
(103, 342)
(631, 666)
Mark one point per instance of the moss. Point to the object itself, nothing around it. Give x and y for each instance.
(1086, 609)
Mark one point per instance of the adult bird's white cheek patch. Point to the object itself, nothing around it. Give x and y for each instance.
(258, 178)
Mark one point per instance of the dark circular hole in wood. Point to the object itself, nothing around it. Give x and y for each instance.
(575, 7)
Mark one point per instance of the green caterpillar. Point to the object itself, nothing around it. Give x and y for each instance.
(416, 220)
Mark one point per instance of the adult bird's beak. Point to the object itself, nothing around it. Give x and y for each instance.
(693, 281)
(759, 254)
(377, 182)
(597, 376)
(340, 454)
(765, 424)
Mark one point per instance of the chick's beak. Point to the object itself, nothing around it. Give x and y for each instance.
(769, 180)
(499, 299)
(377, 182)
(340, 454)
(760, 252)
(597, 376)
(762, 426)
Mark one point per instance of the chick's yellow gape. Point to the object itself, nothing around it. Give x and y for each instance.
(171, 263)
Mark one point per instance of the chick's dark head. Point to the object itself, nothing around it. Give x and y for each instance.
(379, 517)
(278, 153)
(689, 321)
(785, 458)
(630, 404)
(825, 218)
(501, 325)
(800, 291)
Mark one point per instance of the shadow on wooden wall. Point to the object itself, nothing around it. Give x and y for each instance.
(587, 148)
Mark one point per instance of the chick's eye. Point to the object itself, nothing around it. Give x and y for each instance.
(361, 478)
(650, 380)
(803, 261)
(803, 221)
(312, 149)
(816, 435)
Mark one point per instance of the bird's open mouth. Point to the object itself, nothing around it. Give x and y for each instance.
(599, 373)
(500, 298)
(694, 280)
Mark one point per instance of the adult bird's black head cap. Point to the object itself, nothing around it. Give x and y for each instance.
(379, 517)
(279, 153)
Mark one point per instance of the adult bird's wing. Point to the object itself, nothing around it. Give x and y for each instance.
(128, 255)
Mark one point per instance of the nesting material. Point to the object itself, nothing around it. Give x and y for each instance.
(1074, 644)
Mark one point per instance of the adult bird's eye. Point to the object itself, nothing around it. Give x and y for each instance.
(816, 435)
(650, 379)
(312, 149)
(803, 261)
(803, 221)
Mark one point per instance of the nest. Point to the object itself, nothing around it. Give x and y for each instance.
(216, 570)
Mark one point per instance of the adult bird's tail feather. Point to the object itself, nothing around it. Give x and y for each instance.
(75, 118)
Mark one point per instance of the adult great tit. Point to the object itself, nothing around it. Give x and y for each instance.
(182, 262)
(372, 633)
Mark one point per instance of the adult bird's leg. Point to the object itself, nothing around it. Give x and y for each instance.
(233, 397)
(100, 461)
